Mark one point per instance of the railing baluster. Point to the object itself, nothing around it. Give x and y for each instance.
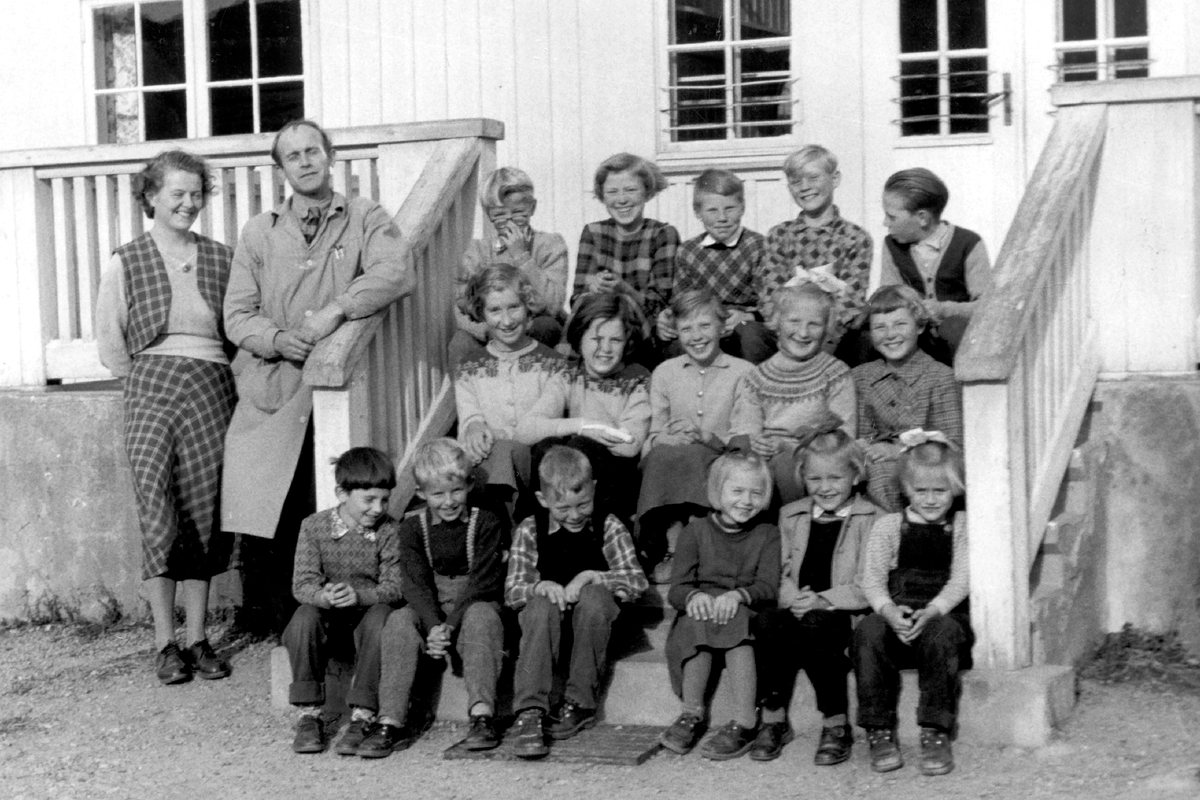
(64, 257)
(85, 252)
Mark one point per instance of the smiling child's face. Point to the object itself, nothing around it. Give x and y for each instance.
(506, 318)
(802, 328)
(895, 333)
(700, 335)
(743, 497)
(362, 507)
(930, 494)
(721, 215)
(812, 187)
(571, 510)
(829, 480)
(625, 198)
(603, 347)
(446, 496)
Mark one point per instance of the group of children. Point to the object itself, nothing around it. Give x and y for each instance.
(799, 509)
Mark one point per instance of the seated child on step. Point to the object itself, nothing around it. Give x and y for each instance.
(905, 389)
(628, 252)
(452, 564)
(727, 260)
(347, 581)
(571, 565)
(604, 330)
(824, 543)
(512, 393)
(506, 197)
(725, 571)
(691, 397)
(917, 582)
(946, 264)
(784, 397)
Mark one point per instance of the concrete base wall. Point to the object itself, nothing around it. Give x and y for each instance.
(1148, 503)
(70, 544)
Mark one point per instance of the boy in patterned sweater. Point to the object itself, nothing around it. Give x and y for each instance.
(726, 260)
(347, 581)
(453, 570)
(820, 237)
(570, 564)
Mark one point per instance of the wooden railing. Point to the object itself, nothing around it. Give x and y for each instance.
(381, 381)
(63, 211)
(385, 380)
(1029, 364)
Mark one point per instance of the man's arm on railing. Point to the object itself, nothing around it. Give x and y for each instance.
(386, 274)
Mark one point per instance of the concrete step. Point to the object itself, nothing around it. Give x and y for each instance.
(1020, 707)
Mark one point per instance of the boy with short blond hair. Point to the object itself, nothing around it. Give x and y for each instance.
(347, 581)
(570, 564)
(820, 237)
(726, 260)
(452, 564)
(508, 202)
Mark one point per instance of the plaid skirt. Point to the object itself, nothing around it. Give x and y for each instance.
(176, 413)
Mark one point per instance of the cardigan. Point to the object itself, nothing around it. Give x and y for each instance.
(620, 399)
(521, 395)
(682, 390)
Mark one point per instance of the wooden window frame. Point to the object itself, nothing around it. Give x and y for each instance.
(1103, 46)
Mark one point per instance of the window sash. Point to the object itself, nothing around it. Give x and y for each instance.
(945, 74)
(1103, 48)
(732, 90)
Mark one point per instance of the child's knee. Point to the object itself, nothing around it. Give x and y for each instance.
(596, 606)
(481, 621)
(305, 623)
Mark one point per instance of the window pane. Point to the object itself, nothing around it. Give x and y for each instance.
(767, 98)
(279, 103)
(232, 110)
(966, 23)
(918, 26)
(1130, 62)
(162, 44)
(968, 87)
(116, 49)
(166, 115)
(699, 95)
(117, 118)
(696, 21)
(228, 40)
(279, 44)
(1079, 65)
(763, 18)
(1129, 18)
(1078, 20)
(919, 109)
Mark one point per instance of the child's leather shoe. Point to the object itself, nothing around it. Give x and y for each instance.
(170, 665)
(683, 734)
(834, 747)
(570, 720)
(483, 734)
(205, 663)
(731, 741)
(885, 751)
(356, 733)
(386, 739)
(937, 758)
(310, 735)
(772, 736)
(529, 737)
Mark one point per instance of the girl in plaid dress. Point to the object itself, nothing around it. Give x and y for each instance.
(159, 328)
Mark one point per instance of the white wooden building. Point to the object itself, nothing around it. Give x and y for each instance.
(1066, 130)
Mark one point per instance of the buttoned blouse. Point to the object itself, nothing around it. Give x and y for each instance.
(681, 389)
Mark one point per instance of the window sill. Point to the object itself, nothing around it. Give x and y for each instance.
(731, 157)
(948, 140)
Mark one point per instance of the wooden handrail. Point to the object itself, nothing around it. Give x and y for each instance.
(450, 166)
(990, 347)
(249, 144)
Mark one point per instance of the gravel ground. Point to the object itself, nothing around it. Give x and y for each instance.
(81, 716)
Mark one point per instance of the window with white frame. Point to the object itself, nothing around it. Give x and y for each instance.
(1102, 40)
(166, 69)
(944, 76)
(729, 70)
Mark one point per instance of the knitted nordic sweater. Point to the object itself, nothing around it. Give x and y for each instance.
(781, 395)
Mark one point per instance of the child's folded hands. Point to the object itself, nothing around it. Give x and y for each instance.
(438, 641)
(700, 607)
(900, 618)
(554, 592)
(725, 607)
(919, 619)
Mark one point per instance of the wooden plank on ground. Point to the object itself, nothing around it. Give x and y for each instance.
(616, 745)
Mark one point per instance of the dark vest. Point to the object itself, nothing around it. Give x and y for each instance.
(950, 282)
(817, 567)
(565, 554)
(923, 565)
(148, 289)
